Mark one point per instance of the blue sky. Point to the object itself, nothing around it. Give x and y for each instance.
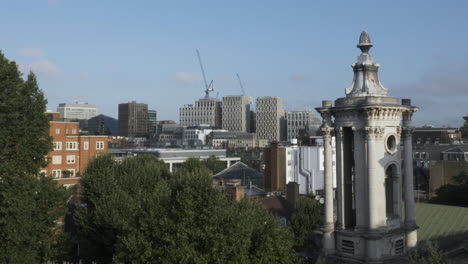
(110, 52)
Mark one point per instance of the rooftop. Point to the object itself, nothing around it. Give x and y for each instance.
(441, 222)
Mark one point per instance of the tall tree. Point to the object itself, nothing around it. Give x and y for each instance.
(136, 212)
(29, 203)
(305, 219)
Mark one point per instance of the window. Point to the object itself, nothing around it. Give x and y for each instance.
(100, 145)
(57, 131)
(70, 159)
(68, 173)
(56, 173)
(73, 131)
(44, 171)
(57, 145)
(390, 175)
(86, 145)
(72, 145)
(56, 159)
(391, 144)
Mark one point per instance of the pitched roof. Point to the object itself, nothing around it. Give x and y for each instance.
(459, 149)
(242, 172)
(438, 222)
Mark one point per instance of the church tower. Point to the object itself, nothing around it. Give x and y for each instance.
(375, 219)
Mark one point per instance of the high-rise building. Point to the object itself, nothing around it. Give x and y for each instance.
(76, 111)
(236, 113)
(133, 119)
(300, 120)
(152, 123)
(206, 111)
(270, 118)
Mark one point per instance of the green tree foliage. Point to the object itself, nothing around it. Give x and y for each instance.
(29, 203)
(212, 164)
(136, 212)
(455, 193)
(431, 255)
(305, 219)
(464, 131)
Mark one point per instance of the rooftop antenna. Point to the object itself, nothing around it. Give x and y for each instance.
(240, 84)
(208, 87)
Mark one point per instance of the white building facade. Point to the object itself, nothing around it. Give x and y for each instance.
(206, 111)
(270, 118)
(76, 111)
(305, 166)
(371, 179)
(236, 113)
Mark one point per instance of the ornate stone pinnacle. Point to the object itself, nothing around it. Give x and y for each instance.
(365, 42)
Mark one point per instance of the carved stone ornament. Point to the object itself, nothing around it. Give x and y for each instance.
(407, 131)
(327, 130)
(374, 132)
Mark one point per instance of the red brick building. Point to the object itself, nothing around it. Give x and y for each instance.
(72, 151)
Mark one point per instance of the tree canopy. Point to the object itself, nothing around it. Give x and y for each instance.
(454, 193)
(137, 212)
(29, 203)
(305, 219)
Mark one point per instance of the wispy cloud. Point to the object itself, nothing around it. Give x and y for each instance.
(296, 77)
(187, 77)
(41, 67)
(85, 76)
(441, 93)
(31, 52)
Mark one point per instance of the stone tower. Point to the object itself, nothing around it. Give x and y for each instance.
(375, 219)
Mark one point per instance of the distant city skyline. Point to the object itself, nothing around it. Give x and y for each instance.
(110, 52)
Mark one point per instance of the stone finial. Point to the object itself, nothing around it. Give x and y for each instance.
(365, 42)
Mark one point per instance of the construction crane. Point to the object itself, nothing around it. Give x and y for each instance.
(208, 87)
(240, 84)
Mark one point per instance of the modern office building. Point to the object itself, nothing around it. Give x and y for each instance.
(76, 111)
(102, 125)
(236, 113)
(270, 118)
(152, 123)
(298, 121)
(133, 119)
(206, 111)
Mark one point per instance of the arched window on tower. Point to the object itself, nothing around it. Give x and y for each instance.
(390, 175)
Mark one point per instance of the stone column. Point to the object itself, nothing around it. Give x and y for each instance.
(328, 227)
(410, 219)
(339, 178)
(373, 179)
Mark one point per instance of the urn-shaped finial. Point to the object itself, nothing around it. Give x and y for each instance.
(365, 42)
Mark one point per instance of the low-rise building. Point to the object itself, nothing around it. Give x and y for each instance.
(433, 135)
(236, 140)
(287, 162)
(72, 152)
(174, 157)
